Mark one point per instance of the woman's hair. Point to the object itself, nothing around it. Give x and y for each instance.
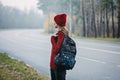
(64, 29)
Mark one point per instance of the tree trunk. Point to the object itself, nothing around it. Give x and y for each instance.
(101, 22)
(86, 18)
(104, 27)
(98, 20)
(83, 16)
(113, 29)
(107, 26)
(118, 11)
(93, 18)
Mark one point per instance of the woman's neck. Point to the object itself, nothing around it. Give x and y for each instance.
(60, 28)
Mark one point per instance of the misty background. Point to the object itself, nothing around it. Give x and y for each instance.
(86, 18)
(13, 18)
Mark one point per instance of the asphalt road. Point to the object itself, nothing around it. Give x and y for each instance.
(96, 60)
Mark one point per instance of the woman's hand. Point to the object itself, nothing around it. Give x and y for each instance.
(55, 35)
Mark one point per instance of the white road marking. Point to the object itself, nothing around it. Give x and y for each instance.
(93, 60)
(118, 66)
(107, 77)
(101, 50)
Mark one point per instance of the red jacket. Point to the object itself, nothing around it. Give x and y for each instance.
(56, 44)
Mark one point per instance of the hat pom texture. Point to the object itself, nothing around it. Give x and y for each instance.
(60, 19)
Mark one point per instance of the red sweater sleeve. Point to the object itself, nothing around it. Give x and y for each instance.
(59, 41)
(56, 44)
(53, 41)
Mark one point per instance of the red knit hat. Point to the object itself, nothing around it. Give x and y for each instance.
(60, 19)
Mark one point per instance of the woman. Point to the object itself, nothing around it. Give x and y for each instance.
(57, 73)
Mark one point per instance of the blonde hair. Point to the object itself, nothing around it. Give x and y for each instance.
(64, 29)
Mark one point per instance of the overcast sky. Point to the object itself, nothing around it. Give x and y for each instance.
(21, 4)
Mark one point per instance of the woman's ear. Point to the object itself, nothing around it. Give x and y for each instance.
(56, 26)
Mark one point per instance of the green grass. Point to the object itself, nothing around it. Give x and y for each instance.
(12, 69)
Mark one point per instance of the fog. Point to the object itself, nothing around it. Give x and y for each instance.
(14, 18)
(86, 18)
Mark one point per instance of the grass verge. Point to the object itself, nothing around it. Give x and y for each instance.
(109, 39)
(12, 69)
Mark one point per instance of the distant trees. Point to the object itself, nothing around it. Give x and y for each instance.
(90, 18)
(14, 18)
(102, 14)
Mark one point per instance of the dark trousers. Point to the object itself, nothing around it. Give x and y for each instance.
(58, 74)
